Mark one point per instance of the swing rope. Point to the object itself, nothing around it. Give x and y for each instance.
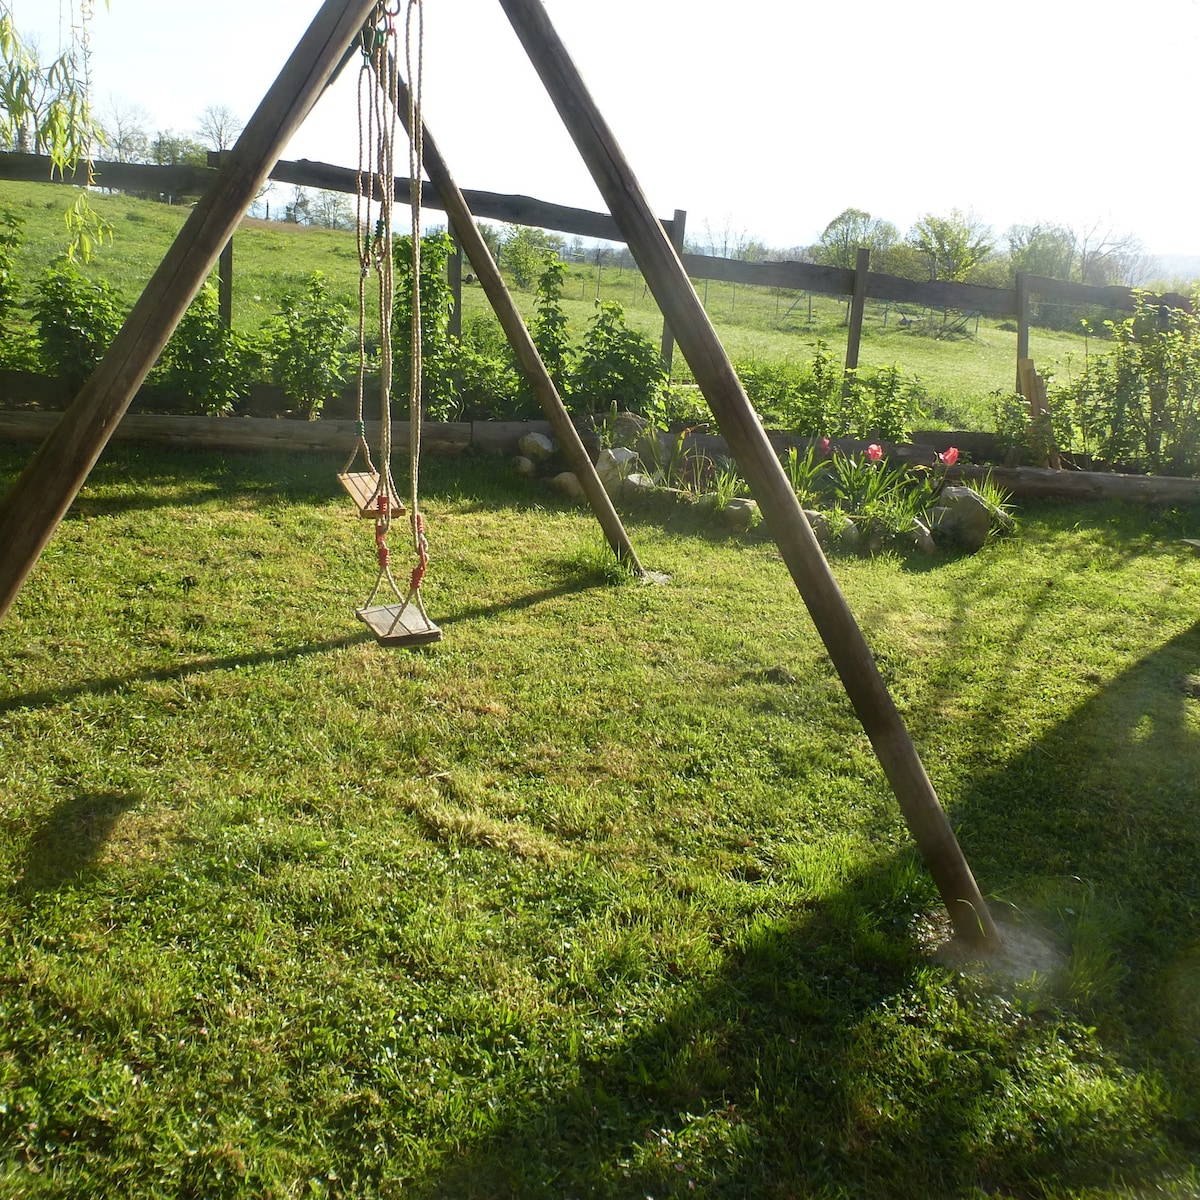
(376, 250)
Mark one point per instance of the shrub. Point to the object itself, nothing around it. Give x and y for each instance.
(439, 394)
(15, 351)
(76, 320)
(487, 374)
(205, 362)
(617, 366)
(308, 345)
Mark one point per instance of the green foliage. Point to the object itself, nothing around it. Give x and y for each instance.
(952, 246)
(807, 398)
(438, 390)
(1138, 406)
(617, 365)
(809, 474)
(206, 363)
(11, 345)
(487, 375)
(308, 351)
(523, 253)
(549, 328)
(76, 321)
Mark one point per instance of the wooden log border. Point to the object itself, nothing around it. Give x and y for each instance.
(258, 434)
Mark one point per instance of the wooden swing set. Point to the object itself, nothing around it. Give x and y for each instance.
(41, 496)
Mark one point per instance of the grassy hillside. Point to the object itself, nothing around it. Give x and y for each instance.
(769, 324)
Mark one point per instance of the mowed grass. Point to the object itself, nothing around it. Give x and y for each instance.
(604, 895)
(958, 375)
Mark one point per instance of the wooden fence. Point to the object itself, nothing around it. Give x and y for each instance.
(859, 284)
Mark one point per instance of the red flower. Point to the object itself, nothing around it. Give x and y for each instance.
(874, 451)
(825, 445)
(950, 456)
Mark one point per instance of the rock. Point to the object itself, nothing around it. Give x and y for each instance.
(536, 446)
(819, 523)
(740, 513)
(524, 466)
(923, 538)
(850, 538)
(963, 517)
(568, 484)
(613, 465)
(625, 429)
(637, 483)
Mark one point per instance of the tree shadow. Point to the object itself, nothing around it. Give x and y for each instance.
(67, 844)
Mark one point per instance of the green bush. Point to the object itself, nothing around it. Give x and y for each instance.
(439, 393)
(487, 374)
(76, 321)
(617, 366)
(308, 345)
(15, 350)
(1138, 406)
(207, 364)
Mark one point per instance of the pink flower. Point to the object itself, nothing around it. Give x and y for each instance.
(950, 456)
(874, 451)
(825, 445)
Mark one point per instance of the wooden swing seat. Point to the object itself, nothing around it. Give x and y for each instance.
(399, 625)
(360, 486)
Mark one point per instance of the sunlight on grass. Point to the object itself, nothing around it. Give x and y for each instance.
(605, 894)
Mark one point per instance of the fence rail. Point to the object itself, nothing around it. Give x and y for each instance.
(1014, 302)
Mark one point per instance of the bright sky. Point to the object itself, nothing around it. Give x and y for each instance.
(763, 117)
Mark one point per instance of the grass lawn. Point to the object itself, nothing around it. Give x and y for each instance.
(605, 895)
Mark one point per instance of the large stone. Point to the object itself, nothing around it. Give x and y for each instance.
(524, 466)
(637, 483)
(568, 484)
(536, 446)
(625, 428)
(741, 513)
(962, 517)
(613, 465)
(819, 523)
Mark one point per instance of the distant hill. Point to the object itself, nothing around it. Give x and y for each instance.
(1175, 267)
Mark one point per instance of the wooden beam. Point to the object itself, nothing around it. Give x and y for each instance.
(39, 499)
(831, 614)
(463, 223)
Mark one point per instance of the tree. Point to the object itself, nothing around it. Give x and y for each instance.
(1108, 256)
(523, 252)
(1045, 250)
(125, 136)
(219, 128)
(850, 231)
(171, 149)
(330, 210)
(952, 246)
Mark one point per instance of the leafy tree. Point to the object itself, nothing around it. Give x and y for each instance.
(849, 231)
(330, 210)
(1045, 250)
(523, 250)
(171, 149)
(549, 326)
(618, 366)
(952, 246)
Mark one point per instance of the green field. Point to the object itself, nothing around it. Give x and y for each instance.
(958, 375)
(605, 895)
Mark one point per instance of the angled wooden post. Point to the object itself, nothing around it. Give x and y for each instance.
(511, 321)
(39, 499)
(969, 914)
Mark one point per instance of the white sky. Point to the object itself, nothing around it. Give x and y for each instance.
(766, 117)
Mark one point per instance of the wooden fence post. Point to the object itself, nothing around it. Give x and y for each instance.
(678, 226)
(39, 499)
(858, 304)
(968, 911)
(1022, 323)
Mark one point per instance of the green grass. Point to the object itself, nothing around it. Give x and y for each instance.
(605, 895)
(958, 374)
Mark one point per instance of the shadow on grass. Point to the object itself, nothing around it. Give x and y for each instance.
(70, 840)
(48, 697)
(825, 1058)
